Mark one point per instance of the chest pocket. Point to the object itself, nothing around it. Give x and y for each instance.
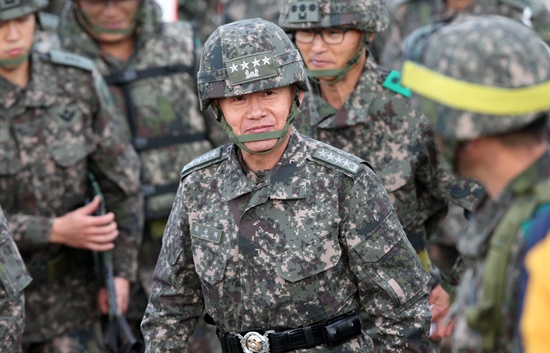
(313, 258)
(398, 180)
(10, 165)
(70, 139)
(209, 253)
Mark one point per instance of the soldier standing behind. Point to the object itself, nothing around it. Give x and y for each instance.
(360, 107)
(150, 67)
(57, 124)
(278, 231)
(486, 82)
(13, 279)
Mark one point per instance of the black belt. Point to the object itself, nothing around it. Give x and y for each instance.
(331, 334)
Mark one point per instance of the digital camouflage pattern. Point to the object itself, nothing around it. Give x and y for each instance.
(17, 8)
(232, 64)
(363, 15)
(234, 10)
(166, 107)
(315, 238)
(412, 14)
(474, 245)
(13, 279)
(454, 50)
(52, 132)
(202, 14)
(379, 126)
(512, 56)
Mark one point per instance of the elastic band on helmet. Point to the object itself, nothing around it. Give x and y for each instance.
(474, 97)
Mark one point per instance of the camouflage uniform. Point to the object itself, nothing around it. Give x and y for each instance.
(53, 131)
(203, 15)
(251, 275)
(376, 123)
(412, 14)
(13, 279)
(162, 119)
(489, 301)
(311, 239)
(233, 10)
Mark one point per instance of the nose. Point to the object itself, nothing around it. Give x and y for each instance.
(318, 43)
(13, 34)
(256, 108)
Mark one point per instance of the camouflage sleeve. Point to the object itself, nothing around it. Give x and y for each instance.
(176, 300)
(116, 167)
(13, 279)
(12, 319)
(392, 283)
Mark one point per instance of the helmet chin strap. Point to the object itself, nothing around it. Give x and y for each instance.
(280, 135)
(83, 19)
(338, 74)
(12, 63)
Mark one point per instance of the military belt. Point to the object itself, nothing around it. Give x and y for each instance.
(331, 333)
(46, 269)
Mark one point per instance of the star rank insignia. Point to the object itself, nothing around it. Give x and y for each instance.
(251, 68)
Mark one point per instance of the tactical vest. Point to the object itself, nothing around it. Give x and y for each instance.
(123, 79)
(486, 316)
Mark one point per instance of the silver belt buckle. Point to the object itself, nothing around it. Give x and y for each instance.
(253, 342)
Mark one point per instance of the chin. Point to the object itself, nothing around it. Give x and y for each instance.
(260, 146)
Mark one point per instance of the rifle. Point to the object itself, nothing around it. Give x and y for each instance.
(119, 338)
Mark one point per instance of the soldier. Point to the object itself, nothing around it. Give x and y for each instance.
(360, 107)
(280, 236)
(57, 124)
(485, 80)
(150, 68)
(13, 279)
(409, 15)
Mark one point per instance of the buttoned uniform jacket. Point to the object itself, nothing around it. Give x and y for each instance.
(315, 239)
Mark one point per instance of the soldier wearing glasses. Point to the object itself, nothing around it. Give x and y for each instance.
(361, 108)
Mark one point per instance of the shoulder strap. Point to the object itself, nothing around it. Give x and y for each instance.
(70, 59)
(124, 77)
(203, 161)
(337, 159)
(488, 311)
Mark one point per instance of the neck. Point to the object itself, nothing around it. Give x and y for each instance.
(19, 76)
(121, 50)
(336, 94)
(266, 161)
(507, 166)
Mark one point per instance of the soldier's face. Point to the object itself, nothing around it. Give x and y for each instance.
(318, 55)
(16, 38)
(258, 112)
(114, 15)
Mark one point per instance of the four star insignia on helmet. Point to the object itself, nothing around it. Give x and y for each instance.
(251, 68)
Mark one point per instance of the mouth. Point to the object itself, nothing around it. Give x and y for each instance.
(318, 62)
(14, 52)
(113, 25)
(258, 129)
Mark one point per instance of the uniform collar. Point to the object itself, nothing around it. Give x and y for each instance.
(42, 90)
(286, 181)
(353, 111)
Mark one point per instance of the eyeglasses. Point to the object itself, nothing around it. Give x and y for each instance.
(328, 35)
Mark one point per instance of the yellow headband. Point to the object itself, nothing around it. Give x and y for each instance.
(473, 97)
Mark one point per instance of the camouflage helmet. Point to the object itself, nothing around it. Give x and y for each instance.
(247, 56)
(478, 76)
(16, 8)
(364, 15)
